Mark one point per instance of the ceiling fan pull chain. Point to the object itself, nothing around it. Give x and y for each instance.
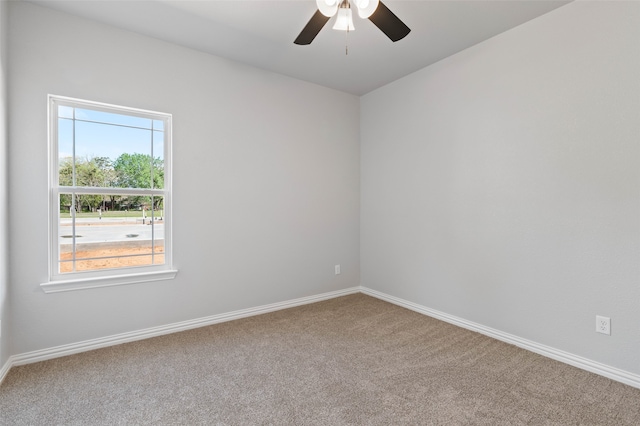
(346, 42)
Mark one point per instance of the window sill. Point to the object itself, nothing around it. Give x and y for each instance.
(107, 281)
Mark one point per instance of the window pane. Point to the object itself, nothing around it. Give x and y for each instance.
(108, 155)
(124, 150)
(65, 111)
(83, 265)
(110, 231)
(156, 214)
(158, 145)
(65, 137)
(112, 118)
(158, 162)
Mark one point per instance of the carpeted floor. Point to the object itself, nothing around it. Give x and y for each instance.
(350, 360)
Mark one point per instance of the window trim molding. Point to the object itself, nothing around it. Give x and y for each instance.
(107, 277)
(96, 282)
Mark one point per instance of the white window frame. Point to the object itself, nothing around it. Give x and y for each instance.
(106, 277)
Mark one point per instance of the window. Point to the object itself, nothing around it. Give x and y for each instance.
(110, 195)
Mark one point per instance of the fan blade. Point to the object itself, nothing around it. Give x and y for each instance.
(313, 27)
(389, 23)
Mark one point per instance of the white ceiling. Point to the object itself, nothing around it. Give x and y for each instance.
(261, 33)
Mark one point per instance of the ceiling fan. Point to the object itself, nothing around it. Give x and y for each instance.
(374, 10)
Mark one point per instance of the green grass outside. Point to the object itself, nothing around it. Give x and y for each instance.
(113, 214)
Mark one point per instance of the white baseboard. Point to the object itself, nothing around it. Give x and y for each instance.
(5, 369)
(88, 345)
(612, 373)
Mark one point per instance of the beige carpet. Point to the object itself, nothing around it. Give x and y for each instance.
(350, 360)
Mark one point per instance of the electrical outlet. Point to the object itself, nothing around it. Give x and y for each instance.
(603, 325)
(337, 269)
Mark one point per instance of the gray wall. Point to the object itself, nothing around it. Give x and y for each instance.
(4, 196)
(266, 179)
(501, 185)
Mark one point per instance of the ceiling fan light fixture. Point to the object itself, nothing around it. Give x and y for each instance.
(344, 21)
(327, 7)
(366, 7)
(374, 10)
